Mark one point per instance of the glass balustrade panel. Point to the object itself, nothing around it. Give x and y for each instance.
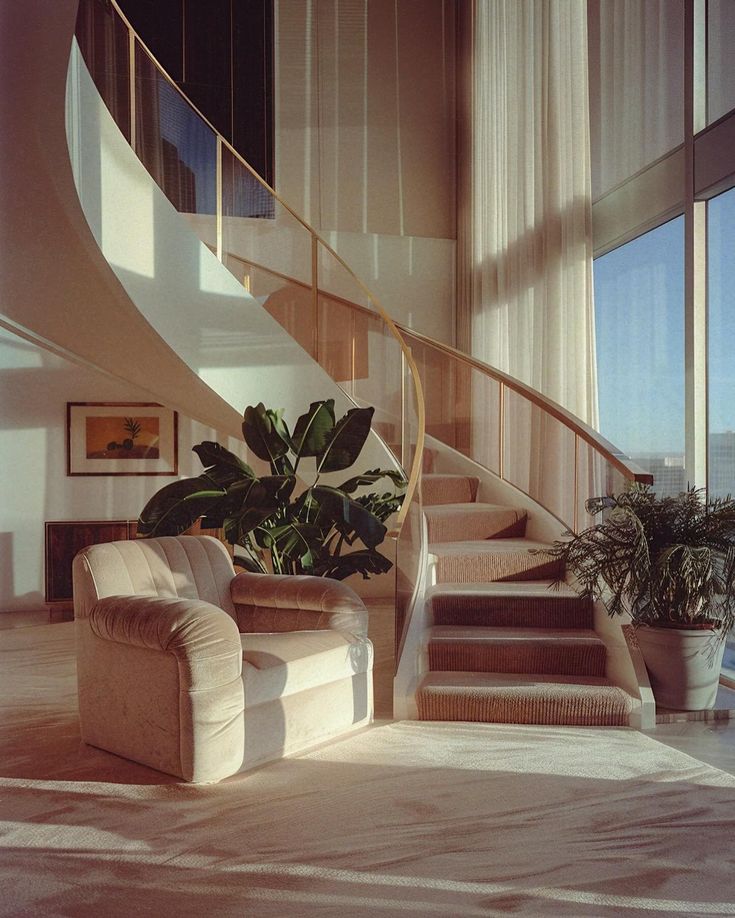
(482, 400)
(103, 39)
(176, 146)
(596, 477)
(410, 537)
(343, 334)
(539, 455)
(334, 278)
(258, 228)
(289, 302)
(361, 348)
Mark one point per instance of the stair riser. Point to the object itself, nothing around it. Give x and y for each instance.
(498, 708)
(512, 612)
(474, 526)
(508, 566)
(448, 491)
(542, 659)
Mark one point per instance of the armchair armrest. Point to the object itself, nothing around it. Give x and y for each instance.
(160, 683)
(204, 639)
(276, 602)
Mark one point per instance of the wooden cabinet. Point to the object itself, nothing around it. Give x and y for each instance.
(65, 538)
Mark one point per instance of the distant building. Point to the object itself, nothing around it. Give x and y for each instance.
(669, 474)
(721, 466)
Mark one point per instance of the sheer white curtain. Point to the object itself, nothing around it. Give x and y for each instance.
(636, 52)
(525, 301)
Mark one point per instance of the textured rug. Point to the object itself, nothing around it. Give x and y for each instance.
(403, 819)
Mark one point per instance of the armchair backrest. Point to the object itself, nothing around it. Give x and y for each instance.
(187, 567)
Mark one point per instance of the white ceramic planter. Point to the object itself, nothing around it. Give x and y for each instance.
(683, 666)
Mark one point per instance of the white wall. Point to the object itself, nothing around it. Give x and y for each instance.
(217, 329)
(55, 286)
(34, 487)
(365, 143)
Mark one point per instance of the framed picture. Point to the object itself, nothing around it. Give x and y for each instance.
(114, 438)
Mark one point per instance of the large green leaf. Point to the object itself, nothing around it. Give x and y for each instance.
(247, 563)
(178, 506)
(249, 503)
(267, 436)
(297, 543)
(370, 477)
(313, 429)
(221, 465)
(348, 516)
(365, 562)
(346, 441)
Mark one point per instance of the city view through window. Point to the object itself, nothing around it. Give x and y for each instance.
(639, 311)
(721, 332)
(639, 317)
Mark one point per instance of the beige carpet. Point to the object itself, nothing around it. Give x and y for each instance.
(406, 818)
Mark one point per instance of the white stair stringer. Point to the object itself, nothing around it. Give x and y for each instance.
(605, 690)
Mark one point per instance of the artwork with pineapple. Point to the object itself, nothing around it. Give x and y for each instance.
(288, 522)
(122, 437)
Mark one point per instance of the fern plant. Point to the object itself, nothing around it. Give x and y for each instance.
(668, 561)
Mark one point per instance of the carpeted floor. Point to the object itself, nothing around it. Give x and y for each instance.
(405, 818)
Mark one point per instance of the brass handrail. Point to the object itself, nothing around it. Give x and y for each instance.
(607, 450)
(415, 471)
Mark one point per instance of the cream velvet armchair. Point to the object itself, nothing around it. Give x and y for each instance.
(198, 672)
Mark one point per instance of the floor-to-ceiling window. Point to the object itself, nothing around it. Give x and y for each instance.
(721, 335)
(721, 354)
(639, 312)
(662, 97)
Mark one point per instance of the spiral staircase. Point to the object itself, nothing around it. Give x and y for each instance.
(495, 470)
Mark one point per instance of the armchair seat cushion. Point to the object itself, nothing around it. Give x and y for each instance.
(285, 663)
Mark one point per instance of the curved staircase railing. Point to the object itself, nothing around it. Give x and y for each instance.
(417, 384)
(291, 269)
(497, 421)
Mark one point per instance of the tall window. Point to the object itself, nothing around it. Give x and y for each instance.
(639, 317)
(721, 332)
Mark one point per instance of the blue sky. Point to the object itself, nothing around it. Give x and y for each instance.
(639, 308)
(721, 319)
(639, 311)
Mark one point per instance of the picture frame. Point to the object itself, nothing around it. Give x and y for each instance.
(101, 439)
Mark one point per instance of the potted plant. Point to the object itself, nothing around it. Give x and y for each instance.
(669, 562)
(271, 529)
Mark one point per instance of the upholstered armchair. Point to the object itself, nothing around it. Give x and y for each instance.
(198, 672)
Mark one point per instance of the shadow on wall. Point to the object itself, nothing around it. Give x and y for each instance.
(35, 386)
(220, 332)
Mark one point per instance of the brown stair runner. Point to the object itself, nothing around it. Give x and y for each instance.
(504, 647)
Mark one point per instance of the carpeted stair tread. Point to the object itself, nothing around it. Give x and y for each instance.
(529, 604)
(492, 560)
(461, 521)
(561, 651)
(523, 698)
(448, 489)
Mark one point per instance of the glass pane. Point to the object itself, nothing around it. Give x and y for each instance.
(721, 328)
(447, 385)
(539, 455)
(103, 41)
(334, 278)
(258, 229)
(289, 302)
(175, 145)
(596, 477)
(720, 49)
(639, 317)
(636, 73)
(344, 335)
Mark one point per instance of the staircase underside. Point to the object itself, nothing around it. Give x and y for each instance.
(505, 646)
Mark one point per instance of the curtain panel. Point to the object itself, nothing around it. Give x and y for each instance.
(525, 296)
